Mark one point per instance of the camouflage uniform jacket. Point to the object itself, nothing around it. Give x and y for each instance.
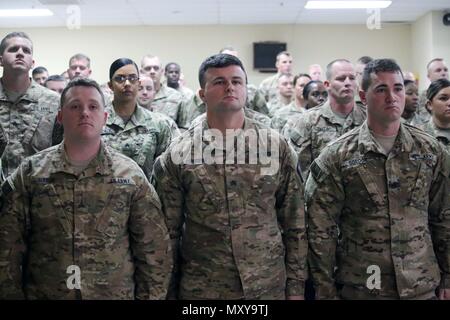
(442, 135)
(316, 128)
(168, 101)
(422, 114)
(107, 221)
(282, 115)
(194, 107)
(143, 138)
(367, 209)
(268, 87)
(260, 118)
(242, 230)
(27, 124)
(255, 100)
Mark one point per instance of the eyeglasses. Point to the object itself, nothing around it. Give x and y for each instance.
(132, 78)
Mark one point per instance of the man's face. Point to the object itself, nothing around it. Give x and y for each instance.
(79, 68)
(152, 67)
(411, 97)
(284, 64)
(316, 73)
(40, 77)
(18, 55)
(172, 74)
(286, 86)
(146, 92)
(83, 114)
(299, 85)
(124, 89)
(342, 85)
(385, 97)
(437, 70)
(225, 89)
(57, 86)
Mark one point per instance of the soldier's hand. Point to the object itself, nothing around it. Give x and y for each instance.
(444, 294)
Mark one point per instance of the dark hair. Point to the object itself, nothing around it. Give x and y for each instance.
(14, 35)
(375, 66)
(308, 88)
(54, 77)
(330, 66)
(364, 59)
(437, 86)
(220, 60)
(80, 56)
(300, 75)
(171, 63)
(119, 63)
(80, 82)
(39, 70)
(408, 82)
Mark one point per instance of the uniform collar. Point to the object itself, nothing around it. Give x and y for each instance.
(101, 164)
(32, 94)
(356, 116)
(136, 119)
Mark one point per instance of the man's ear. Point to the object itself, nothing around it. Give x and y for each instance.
(201, 93)
(326, 83)
(362, 96)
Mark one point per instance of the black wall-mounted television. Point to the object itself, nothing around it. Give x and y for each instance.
(265, 55)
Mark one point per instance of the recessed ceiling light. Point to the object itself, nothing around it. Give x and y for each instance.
(25, 13)
(347, 4)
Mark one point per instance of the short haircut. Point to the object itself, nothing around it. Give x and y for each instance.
(330, 67)
(150, 56)
(433, 60)
(80, 82)
(80, 56)
(54, 77)
(408, 82)
(220, 60)
(171, 63)
(364, 60)
(437, 86)
(300, 75)
(376, 66)
(39, 70)
(308, 88)
(119, 63)
(14, 35)
(285, 53)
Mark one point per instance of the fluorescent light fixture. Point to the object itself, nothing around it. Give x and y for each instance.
(347, 4)
(25, 13)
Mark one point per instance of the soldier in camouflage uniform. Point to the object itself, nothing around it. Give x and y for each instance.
(237, 229)
(310, 133)
(436, 69)
(409, 114)
(146, 92)
(172, 72)
(132, 130)
(378, 205)
(438, 96)
(268, 87)
(27, 110)
(81, 221)
(167, 100)
(285, 93)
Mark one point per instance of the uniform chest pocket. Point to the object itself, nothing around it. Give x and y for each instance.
(421, 187)
(113, 219)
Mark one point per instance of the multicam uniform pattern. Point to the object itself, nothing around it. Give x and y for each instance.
(26, 124)
(442, 135)
(107, 221)
(169, 102)
(365, 208)
(282, 115)
(310, 133)
(143, 138)
(243, 232)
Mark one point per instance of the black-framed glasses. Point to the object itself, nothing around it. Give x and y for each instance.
(132, 78)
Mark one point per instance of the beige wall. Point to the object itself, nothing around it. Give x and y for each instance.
(189, 45)
(421, 47)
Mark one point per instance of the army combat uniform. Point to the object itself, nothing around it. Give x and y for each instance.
(169, 102)
(282, 115)
(260, 118)
(268, 87)
(240, 233)
(365, 209)
(106, 220)
(143, 138)
(27, 124)
(316, 128)
(442, 135)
